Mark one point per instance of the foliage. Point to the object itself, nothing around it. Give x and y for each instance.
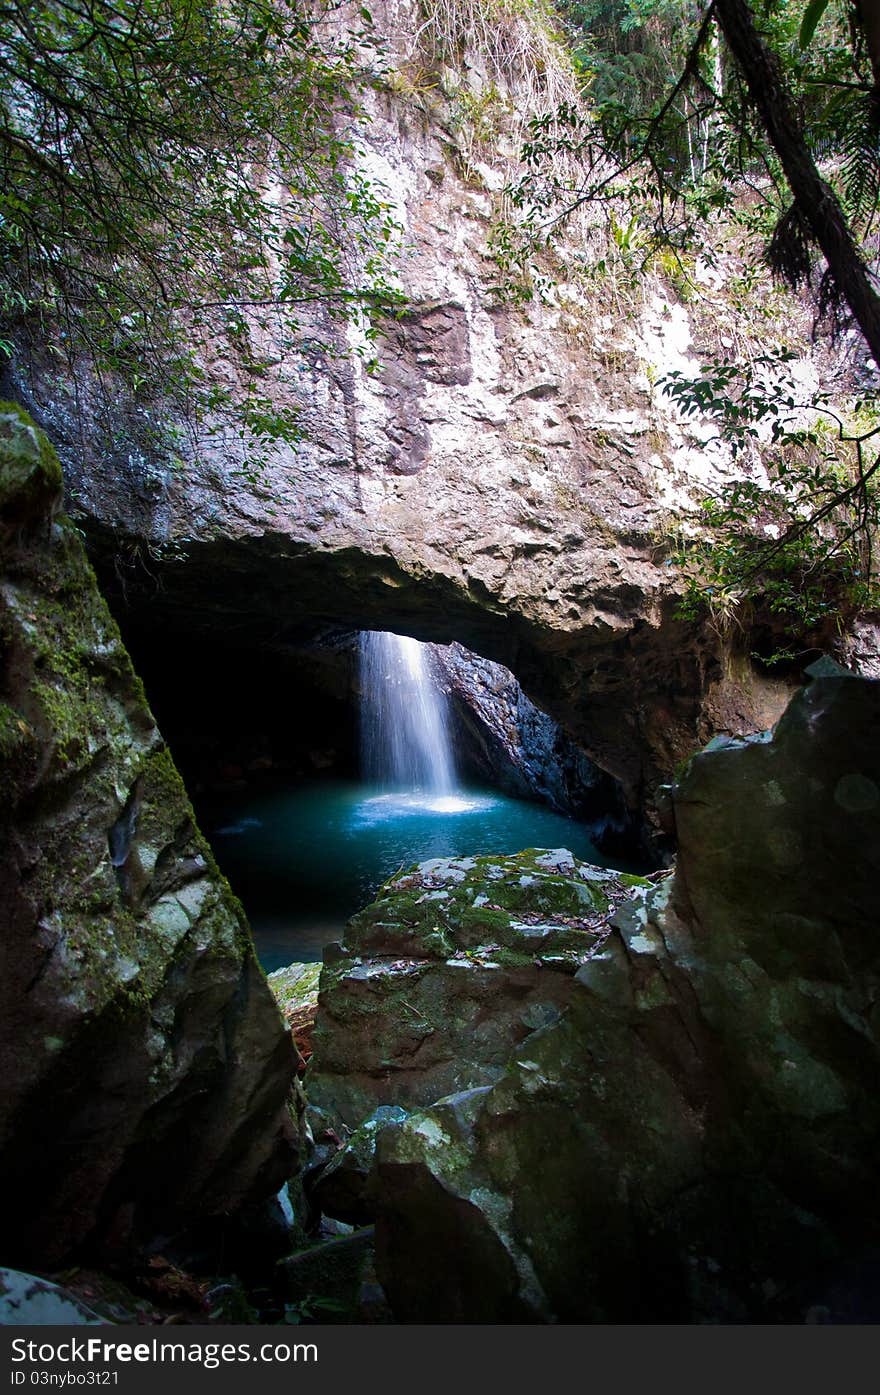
(714, 122)
(670, 105)
(173, 168)
(628, 52)
(314, 1308)
(794, 534)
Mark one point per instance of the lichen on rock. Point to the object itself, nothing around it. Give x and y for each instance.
(455, 961)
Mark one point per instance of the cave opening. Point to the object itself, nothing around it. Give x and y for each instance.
(268, 736)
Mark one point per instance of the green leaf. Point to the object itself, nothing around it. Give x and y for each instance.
(812, 14)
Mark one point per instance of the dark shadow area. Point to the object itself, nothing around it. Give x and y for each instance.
(266, 734)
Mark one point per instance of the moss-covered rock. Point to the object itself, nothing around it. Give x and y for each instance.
(455, 962)
(330, 1282)
(696, 1138)
(146, 1070)
(30, 475)
(295, 989)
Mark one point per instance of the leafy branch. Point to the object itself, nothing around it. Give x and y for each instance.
(170, 169)
(795, 538)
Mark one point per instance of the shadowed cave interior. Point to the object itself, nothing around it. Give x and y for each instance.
(269, 740)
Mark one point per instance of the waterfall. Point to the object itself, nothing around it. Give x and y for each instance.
(404, 725)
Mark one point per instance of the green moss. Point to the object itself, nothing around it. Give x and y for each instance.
(15, 733)
(507, 909)
(512, 958)
(66, 712)
(30, 472)
(295, 986)
(56, 618)
(424, 927)
(480, 923)
(81, 702)
(164, 800)
(165, 807)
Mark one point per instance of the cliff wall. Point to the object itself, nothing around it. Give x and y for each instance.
(508, 477)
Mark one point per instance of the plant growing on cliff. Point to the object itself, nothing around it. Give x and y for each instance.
(796, 532)
(783, 117)
(171, 168)
(518, 39)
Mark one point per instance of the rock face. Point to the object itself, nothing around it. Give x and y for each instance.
(295, 989)
(511, 743)
(146, 1072)
(696, 1138)
(508, 478)
(456, 962)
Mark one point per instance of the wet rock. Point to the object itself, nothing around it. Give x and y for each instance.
(508, 741)
(146, 1071)
(340, 1188)
(695, 1139)
(456, 961)
(28, 1301)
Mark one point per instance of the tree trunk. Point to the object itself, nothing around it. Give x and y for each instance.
(815, 199)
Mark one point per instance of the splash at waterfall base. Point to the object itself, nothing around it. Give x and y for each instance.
(304, 856)
(691, 1135)
(694, 1138)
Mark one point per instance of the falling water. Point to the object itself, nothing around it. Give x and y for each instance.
(404, 726)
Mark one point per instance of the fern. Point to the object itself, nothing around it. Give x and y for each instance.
(845, 131)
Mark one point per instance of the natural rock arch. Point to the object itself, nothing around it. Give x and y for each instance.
(638, 688)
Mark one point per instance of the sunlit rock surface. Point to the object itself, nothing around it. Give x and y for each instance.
(295, 990)
(28, 1301)
(145, 1071)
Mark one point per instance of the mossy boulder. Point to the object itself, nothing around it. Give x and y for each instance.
(146, 1071)
(455, 962)
(332, 1281)
(30, 474)
(695, 1140)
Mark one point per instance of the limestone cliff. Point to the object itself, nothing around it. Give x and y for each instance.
(145, 1071)
(508, 477)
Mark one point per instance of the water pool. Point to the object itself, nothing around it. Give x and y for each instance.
(304, 859)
